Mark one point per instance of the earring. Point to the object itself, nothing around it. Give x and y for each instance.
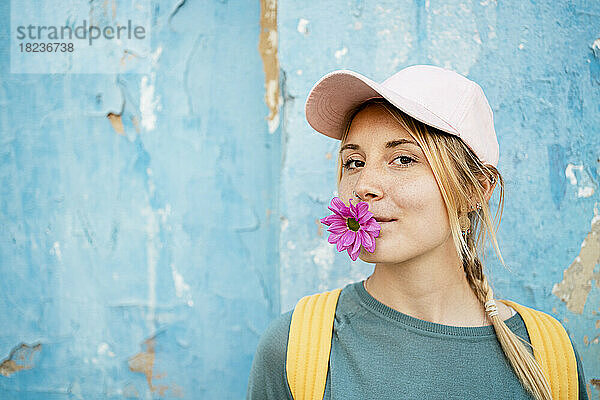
(463, 219)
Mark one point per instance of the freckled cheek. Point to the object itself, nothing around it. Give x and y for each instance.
(345, 192)
(420, 201)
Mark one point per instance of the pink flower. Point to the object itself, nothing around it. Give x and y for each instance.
(351, 227)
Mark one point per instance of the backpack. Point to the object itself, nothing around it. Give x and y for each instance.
(311, 329)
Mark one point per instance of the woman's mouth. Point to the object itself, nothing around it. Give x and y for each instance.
(385, 221)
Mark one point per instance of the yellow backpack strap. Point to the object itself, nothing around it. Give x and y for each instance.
(309, 344)
(552, 349)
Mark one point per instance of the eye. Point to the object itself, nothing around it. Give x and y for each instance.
(349, 162)
(410, 161)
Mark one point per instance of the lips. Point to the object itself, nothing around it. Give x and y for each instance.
(382, 219)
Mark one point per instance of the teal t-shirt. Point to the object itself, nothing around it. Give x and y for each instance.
(380, 353)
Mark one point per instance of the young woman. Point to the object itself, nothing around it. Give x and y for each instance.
(420, 149)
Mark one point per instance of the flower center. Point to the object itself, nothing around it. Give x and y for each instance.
(353, 224)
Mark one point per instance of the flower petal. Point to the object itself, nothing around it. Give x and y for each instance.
(365, 217)
(334, 237)
(362, 208)
(337, 229)
(349, 238)
(353, 255)
(328, 220)
(371, 226)
(370, 248)
(339, 224)
(340, 245)
(338, 207)
(366, 239)
(357, 244)
(352, 208)
(345, 241)
(337, 204)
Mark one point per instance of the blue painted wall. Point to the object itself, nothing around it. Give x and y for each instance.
(154, 224)
(138, 249)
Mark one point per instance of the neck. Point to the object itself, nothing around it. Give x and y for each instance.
(428, 287)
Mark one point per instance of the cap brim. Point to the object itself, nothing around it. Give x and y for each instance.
(335, 96)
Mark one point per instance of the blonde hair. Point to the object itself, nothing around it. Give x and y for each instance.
(459, 174)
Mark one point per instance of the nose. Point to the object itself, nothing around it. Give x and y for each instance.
(368, 187)
(364, 195)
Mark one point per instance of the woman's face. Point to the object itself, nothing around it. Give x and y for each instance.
(389, 171)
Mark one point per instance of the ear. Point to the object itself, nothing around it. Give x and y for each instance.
(489, 187)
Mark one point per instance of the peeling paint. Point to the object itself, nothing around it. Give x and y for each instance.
(127, 55)
(56, 251)
(149, 102)
(267, 46)
(577, 279)
(104, 349)
(136, 123)
(143, 362)
(319, 226)
(340, 53)
(303, 26)
(21, 357)
(116, 122)
(585, 184)
(181, 288)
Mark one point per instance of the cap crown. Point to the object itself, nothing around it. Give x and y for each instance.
(453, 98)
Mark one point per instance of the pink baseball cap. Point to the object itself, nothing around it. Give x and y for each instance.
(436, 96)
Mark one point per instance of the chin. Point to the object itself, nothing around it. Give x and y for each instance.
(370, 257)
(381, 253)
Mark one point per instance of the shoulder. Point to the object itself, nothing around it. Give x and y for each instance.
(272, 345)
(267, 375)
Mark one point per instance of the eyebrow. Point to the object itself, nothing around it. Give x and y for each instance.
(388, 145)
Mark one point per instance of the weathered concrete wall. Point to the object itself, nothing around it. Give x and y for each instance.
(138, 249)
(150, 231)
(539, 64)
